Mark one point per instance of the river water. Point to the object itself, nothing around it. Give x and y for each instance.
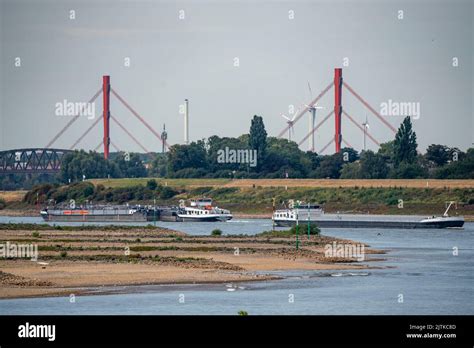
(419, 276)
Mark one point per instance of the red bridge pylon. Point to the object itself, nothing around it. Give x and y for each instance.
(106, 117)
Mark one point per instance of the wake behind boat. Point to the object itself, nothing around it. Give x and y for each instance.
(312, 213)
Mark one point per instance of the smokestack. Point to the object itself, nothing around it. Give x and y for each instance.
(186, 122)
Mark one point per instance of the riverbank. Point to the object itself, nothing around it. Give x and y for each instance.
(78, 261)
(254, 198)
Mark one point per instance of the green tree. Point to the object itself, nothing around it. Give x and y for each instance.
(351, 171)
(387, 150)
(284, 157)
(438, 154)
(407, 170)
(182, 157)
(373, 166)
(258, 137)
(461, 169)
(405, 143)
(130, 165)
(314, 158)
(159, 165)
(216, 144)
(331, 166)
(90, 164)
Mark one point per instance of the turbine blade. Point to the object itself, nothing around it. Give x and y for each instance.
(294, 115)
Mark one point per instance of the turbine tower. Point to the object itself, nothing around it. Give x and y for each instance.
(290, 122)
(312, 119)
(186, 121)
(366, 127)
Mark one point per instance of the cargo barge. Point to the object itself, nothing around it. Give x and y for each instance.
(95, 214)
(200, 210)
(314, 214)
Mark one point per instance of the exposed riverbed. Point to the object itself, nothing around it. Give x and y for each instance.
(420, 276)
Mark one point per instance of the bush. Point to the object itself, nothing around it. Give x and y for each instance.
(225, 190)
(35, 234)
(303, 229)
(151, 184)
(3, 204)
(39, 193)
(189, 173)
(200, 191)
(63, 254)
(242, 313)
(167, 193)
(216, 232)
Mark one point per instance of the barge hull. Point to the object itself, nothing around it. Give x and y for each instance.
(95, 218)
(373, 224)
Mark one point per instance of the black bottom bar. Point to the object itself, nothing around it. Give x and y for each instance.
(236, 330)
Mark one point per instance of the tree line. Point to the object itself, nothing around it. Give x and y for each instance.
(280, 158)
(276, 158)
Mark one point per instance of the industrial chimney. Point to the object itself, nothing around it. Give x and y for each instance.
(186, 122)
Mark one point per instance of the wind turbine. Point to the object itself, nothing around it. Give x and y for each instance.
(312, 118)
(366, 127)
(290, 122)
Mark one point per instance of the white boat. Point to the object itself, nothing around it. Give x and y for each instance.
(288, 217)
(202, 210)
(445, 220)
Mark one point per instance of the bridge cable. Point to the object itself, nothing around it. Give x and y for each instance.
(138, 116)
(74, 119)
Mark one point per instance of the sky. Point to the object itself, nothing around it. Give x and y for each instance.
(417, 52)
